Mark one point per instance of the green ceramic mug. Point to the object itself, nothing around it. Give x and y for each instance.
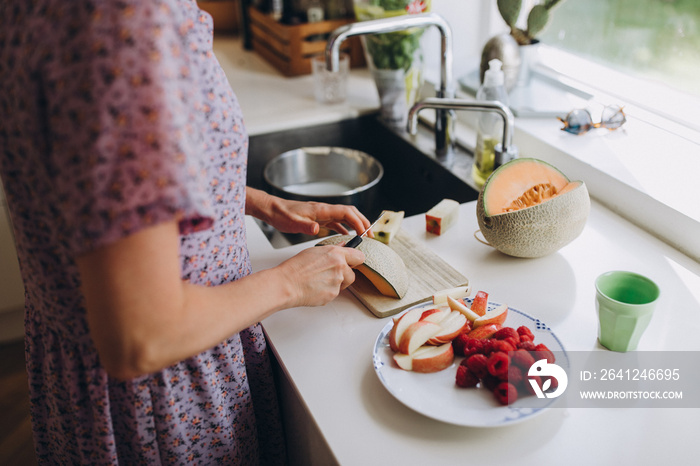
(625, 302)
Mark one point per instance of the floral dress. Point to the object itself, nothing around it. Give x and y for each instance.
(115, 115)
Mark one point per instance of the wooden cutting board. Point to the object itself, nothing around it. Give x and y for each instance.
(427, 273)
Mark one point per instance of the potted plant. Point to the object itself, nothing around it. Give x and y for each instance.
(537, 19)
(395, 59)
(517, 49)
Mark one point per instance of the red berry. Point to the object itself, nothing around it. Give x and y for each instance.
(507, 332)
(465, 378)
(505, 393)
(523, 330)
(544, 352)
(526, 345)
(522, 359)
(529, 338)
(490, 382)
(459, 343)
(514, 376)
(487, 347)
(502, 346)
(477, 364)
(498, 364)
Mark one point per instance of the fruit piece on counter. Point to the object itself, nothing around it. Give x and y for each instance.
(441, 217)
(528, 208)
(416, 335)
(459, 306)
(480, 303)
(382, 265)
(495, 316)
(440, 297)
(388, 226)
(427, 359)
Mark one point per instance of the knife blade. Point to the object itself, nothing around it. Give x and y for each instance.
(353, 243)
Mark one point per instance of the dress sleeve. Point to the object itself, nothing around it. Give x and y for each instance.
(125, 121)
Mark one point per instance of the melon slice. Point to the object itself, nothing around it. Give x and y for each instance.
(388, 226)
(528, 208)
(522, 183)
(441, 217)
(382, 266)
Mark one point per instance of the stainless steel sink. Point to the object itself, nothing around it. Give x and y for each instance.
(414, 179)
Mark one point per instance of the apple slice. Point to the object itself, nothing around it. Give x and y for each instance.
(494, 316)
(404, 361)
(435, 315)
(458, 306)
(416, 335)
(485, 331)
(452, 325)
(440, 297)
(426, 359)
(401, 324)
(434, 358)
(480, 303)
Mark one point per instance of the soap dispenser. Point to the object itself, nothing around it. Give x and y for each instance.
(490, 125)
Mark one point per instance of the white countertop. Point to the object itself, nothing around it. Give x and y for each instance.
(326, 352)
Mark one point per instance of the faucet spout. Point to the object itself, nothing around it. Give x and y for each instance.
(508, 150)
(395, 24)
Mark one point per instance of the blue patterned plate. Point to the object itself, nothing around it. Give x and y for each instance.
(437, 396)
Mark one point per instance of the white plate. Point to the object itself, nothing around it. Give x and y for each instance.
(437, 396)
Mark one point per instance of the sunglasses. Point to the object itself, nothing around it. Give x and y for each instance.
(580, 121)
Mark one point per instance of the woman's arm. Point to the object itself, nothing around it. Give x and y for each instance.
(143, 317)
(303, 217)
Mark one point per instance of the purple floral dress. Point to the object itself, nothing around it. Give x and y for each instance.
(115, 115)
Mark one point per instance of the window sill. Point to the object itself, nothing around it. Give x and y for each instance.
(646, 171)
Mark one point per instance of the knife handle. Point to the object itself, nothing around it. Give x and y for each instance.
(355, 242)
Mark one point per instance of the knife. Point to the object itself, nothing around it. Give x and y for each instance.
(353, 243)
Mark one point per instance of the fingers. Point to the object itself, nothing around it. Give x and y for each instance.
(334, 215)
(353, 257)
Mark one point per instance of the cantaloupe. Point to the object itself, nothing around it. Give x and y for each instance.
(388, 226)
(383, 266)
(528, 208)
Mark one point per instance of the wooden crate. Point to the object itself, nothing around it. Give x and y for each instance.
(290, 48)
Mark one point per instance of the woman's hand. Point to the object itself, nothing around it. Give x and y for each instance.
(318, 274)
(303, 217)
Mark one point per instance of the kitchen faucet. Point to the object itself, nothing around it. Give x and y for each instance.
(506, 152)
(399, 23)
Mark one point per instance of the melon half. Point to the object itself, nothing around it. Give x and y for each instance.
(528, 208)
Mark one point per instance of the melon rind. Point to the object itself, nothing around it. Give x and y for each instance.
(539, 230)
(382, 266)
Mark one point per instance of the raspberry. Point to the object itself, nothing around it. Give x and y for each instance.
(544, 352)
(522, 359)
(465, 378)
(459, 343)
(527, 338)
(477, 364)
(526, 345)
(507, 332)
(523, 330)
(490, 382)
(505, 393)
(473, 346)
(502, 346)
(498, 364)
(487, 347)
(512, 341)
(514, 376)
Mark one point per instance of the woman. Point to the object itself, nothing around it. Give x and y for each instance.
(124, 161)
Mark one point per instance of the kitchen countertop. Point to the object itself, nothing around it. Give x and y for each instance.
(325, 353)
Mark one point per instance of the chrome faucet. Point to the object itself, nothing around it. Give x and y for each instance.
(399, 23)
(507, 151)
